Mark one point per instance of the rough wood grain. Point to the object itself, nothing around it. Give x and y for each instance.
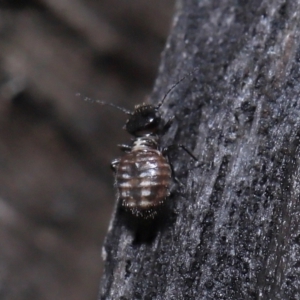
(234, 234)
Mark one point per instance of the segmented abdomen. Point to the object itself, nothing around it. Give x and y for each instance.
(143, 180)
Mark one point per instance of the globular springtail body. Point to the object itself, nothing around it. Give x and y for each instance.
(143, 176)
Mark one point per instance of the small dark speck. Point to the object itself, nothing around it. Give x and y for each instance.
(209, 284)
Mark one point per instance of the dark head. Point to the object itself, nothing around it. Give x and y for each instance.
(144, 120)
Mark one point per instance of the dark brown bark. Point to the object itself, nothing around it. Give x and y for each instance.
(234, 234)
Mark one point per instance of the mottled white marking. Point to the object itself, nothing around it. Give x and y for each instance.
(126, 161)
(148, 157)
(139, 143)
(152, 165)
(124, 194)
(145, 203)
(143, 143)
(148, 173)
(147, 183)
(125, 175)
(124, 185)
(146, 193)
(129, 203)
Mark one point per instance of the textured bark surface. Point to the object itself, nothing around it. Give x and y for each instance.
(56, 188)
(234, 233)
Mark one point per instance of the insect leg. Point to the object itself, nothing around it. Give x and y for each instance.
(114, 164)
(172, 147)
(167, 125)
(165, 152)
(125, 148)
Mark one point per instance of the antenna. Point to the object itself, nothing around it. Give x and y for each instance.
(173, 86)
(87, 99)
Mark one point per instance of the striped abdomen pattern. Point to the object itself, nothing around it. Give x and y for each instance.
(143, 179)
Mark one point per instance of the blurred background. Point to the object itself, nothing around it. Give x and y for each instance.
(56, 187)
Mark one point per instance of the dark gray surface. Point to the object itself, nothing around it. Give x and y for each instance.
(234, 234)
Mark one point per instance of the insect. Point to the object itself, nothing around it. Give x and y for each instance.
(143, 176)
